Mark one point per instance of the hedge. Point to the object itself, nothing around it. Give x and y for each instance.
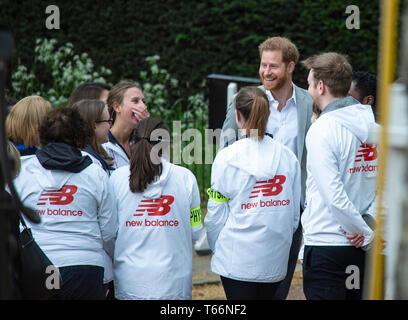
(195, 39)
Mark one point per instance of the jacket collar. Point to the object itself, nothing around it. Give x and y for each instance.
(341, 103)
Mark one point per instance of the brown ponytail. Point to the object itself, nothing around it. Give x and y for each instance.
(144, 169)
(252, 104)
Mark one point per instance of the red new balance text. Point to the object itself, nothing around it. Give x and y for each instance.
(60, 197)
(152, 223)
(366, 168)
(154, 207)
(263, 204)
(267, 188)
(59, 212)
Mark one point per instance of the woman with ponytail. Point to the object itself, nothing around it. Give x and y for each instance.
(253, 206)
(159, 219)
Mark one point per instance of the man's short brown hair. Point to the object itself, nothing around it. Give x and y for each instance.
(289, 50)
(333, 69)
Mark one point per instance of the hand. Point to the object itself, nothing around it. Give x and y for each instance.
(140, 114)
(356, 239)
(301, 261)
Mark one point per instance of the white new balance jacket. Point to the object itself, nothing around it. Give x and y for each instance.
(153, 250)
(78, 219)
(341, 175)
(253, 210)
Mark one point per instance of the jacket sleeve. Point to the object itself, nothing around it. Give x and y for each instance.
(229, 128)
(217, 206)
(296, 195)
(324, 168)
(107, 214)
(195, 211)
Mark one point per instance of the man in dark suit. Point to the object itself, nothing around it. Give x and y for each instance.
(288, 122)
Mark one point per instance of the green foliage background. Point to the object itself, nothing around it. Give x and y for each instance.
(194, 39)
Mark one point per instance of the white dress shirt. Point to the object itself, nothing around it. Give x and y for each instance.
(283, 125)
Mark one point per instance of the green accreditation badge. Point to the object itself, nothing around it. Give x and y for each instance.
(195, 217)
(216, 196)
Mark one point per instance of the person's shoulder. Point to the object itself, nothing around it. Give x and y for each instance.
(285, 152)
(109, 145)
(234, 148)
(288, 152)
(121, 171)
(180, 170)
(29, 158)
(94, 170)
(303, 94)
(322, 130)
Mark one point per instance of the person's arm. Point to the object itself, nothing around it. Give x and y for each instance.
(229, 128)
(325, 171)
(296, 196)
(107, 214)
(195, 211)
(217, 215)
(217, 206)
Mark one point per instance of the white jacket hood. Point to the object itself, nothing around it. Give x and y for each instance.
(58, 161)
(49, 179)
(155, 189)
(358, 118)
(261, 165)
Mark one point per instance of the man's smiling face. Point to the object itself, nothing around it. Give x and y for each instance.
(272, 71)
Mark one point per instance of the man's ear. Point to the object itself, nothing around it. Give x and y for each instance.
(321, 87)
(291, 66)
(368, 100)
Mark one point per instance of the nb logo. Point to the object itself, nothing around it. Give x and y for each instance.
(367, 152)
(155, 207)
(268, 188)
(63, 196)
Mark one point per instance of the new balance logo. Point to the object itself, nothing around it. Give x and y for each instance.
(367, 152)
(62, 197)
(269, 188)
(155, 207)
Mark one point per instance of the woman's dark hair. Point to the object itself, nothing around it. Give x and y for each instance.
(252, 104)
(91, 110)
(144, 169)
(65, 125)
(87, 90)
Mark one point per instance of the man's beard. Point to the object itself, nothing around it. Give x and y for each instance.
(278, 82)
